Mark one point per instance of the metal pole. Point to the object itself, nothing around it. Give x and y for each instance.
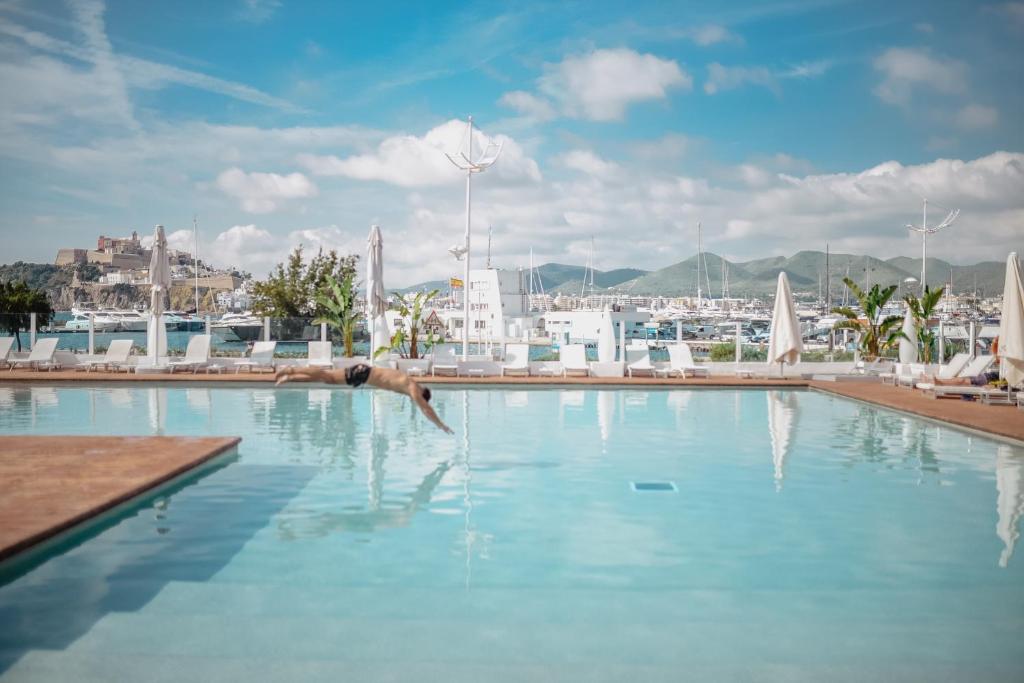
(465, 270)
(679, 331)
(31, 331)
(195, 260)
(973, 340)
(942, 343)
(208, 324)
(924, 248)
(92, 333)
(739, 346)
(266, 328)
(323, 335)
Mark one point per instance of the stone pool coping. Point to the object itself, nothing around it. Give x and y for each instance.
(52, 483)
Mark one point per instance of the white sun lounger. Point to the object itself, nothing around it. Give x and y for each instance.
(681, 362)
(115, 358)
(638, 361)
(517, 359)
(574, 359)
(892, 377)
(261, 356)
(319, 355)
(976, 367)
(950, 370)
(40, 356)
(197, 354)
(444, 360)
(6, 344)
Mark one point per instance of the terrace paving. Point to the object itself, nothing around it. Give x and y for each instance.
(51, 483)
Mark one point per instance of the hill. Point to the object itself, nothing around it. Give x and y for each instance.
(555, 277)
(759, 277)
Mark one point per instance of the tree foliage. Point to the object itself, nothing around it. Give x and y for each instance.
(922, 309)
(295, 289)
(339, 309)
(405, 341)
(876, 333)
(17, 302)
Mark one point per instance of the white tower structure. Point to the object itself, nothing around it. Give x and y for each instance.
(464, 162)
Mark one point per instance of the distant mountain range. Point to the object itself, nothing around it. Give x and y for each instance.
(758, 277)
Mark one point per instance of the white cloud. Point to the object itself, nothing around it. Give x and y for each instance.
(528, 105)
(1012, 12)
(905, 70)
(601, 84)
(258, 11)
(975, 116)
(411, 161)
(587, 162)
(730, 77)
(712, 34)
(112, 72)
(924, 27)
(263, 192)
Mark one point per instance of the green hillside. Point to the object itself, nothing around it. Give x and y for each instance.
(758, 277)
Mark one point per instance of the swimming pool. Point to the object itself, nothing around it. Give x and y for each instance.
(804, 537)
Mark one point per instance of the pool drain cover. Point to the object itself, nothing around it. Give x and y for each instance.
(647, 486)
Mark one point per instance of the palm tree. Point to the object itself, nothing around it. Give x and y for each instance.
(922, 310)
(18, 302)
(876, 333)
(339, 308)
(406, 339)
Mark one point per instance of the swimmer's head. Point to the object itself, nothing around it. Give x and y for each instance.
(426, 394)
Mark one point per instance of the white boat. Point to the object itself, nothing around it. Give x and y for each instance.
(238, 327)
(128, 321)
(80, 323)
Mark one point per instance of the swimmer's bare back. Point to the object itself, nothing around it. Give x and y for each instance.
(357, 375)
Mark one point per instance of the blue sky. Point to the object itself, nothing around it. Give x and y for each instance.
(779, 125)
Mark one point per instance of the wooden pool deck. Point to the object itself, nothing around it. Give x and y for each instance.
(52, 483)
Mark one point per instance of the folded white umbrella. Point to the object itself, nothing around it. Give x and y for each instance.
(1011, 325)
(785, 343)
(606, 339)
(376, 303)
(160, 283)
(908, 346)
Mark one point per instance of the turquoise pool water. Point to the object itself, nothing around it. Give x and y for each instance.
(804, 537)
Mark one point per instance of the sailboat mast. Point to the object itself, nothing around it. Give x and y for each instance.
(828, 282)
(195, 257)
(700, 298)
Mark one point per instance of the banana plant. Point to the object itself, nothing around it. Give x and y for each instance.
(876, 334)
(339, 309)
(922, 309)
(405, 341)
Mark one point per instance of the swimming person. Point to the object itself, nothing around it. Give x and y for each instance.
(357, 375)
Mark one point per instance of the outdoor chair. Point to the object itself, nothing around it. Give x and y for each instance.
(40, 356)
(444, 360)
(574, 360)
(197, 354)
(978, 366)
(517, 359)
(261, 357)
(319, 355)
(115, 358)
(6, 344)
(681, 362)
(638, 361)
